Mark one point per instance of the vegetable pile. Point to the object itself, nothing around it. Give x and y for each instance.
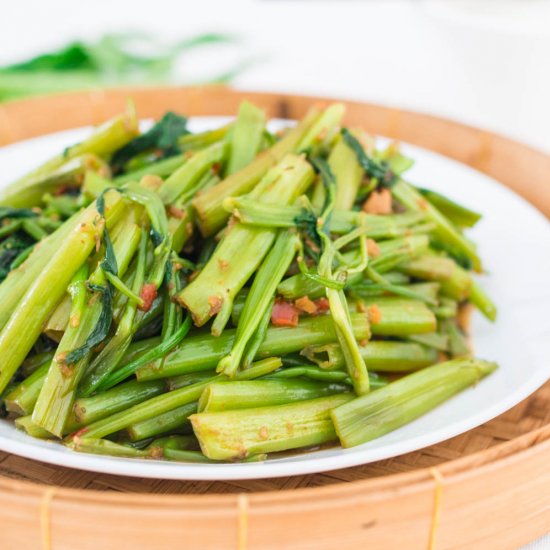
(221, 295)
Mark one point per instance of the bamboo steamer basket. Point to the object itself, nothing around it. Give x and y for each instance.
(488, 488)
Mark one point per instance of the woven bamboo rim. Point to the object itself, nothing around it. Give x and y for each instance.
(489, 488)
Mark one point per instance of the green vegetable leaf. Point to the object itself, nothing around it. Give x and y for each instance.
(114, 59)
(103, 325)
(109, 263)
(306, 222)
(10, 250)
(373, 169)
(162, 137)
(71, 57)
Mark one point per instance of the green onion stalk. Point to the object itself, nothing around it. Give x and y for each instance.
(263, 393)
(169, 422)
(22, 399)
(246, 137)
(90, 409)
(70, 174)
(348, 174)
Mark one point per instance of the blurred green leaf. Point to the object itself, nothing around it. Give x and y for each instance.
(112, 60)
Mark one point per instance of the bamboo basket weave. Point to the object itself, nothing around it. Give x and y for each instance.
(486, 489)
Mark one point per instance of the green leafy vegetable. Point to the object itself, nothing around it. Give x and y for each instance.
(112, 60)
(102, 327)
(161, 138)
(10, 249)
(374, 169)
(316, 308)
(109, 264)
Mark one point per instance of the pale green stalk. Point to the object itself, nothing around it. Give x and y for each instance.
(373, 415)
(242, 249)
(211, 215)
(246, 137)
(170, 401)
(379, 355)
(26, 322)
(348, 174)
(263, 393)
(69, 174)
(104, 141)
(55, 402)
(167, 422)
(260, 298)
(22, 399)
(407, 195)
(202, 352)
(233, 435)
(189, 174)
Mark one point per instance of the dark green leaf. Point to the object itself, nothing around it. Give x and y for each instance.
(373, 169)
(100, 203)
(10, 249)
(306, 222)
(109, 263)
(74, 56)
(103, 325)
(162, 137)
(156, 237)
(112, 60)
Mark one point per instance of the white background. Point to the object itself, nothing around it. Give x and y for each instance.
(483, 62)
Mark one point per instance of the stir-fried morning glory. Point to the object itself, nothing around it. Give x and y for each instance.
(232, 293)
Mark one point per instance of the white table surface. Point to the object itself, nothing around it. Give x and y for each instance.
(483, 62)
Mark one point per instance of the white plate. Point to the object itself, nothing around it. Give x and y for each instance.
(514, 242)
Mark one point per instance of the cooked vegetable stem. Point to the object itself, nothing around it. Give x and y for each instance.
(221, 295)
